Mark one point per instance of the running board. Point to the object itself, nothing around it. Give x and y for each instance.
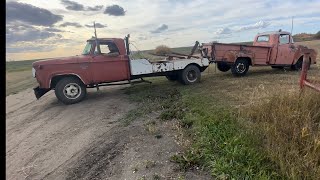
(116, 84)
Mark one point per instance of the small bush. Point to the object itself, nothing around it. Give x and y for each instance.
(162, 50)
(290, 125)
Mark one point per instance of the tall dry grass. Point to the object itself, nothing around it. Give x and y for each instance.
(290, 127)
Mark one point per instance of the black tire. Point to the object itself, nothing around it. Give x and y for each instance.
(70, 90)
(240, 67)
(223, 67)
(172, 77)
(277, 67)
(190, 75)
(298, 65)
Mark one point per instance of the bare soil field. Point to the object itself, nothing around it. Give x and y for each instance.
(48, 140)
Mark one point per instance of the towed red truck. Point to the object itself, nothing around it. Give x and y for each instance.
(104, 62)
(275, 49)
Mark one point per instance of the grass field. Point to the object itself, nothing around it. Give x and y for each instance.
(232, 126)
(19, 76)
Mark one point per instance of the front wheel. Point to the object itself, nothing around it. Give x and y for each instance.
(297, 65)
(190, 75)
(240, 67)
(70, 90)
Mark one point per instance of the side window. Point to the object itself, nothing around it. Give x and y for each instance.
(104, 49)
(264, 38)
(108, 48)
(284, 39)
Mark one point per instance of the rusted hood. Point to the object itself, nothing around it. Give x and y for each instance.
(61, 60)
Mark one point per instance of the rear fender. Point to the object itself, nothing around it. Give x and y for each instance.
(232, 56)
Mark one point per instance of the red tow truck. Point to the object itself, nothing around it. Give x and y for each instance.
(275, 49)
(105, 62)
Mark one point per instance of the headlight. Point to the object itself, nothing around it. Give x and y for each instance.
(33, 72)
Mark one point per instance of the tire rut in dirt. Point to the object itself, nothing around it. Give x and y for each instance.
(96, 162)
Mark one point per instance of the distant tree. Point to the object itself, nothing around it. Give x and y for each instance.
(317, 35)
(162, 50)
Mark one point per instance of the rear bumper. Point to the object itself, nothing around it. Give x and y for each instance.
(39, 92)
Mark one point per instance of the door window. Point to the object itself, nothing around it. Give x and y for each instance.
(108, 48)
(284, 39)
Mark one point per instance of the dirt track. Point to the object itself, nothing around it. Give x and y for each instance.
(48, 140)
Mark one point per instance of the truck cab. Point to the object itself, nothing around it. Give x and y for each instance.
(284, 52)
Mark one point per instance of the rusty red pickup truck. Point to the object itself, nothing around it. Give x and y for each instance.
(275, 49)
(107, 61)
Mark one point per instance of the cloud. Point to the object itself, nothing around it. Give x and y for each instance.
(74, 24)
(160, 29)
(75, 6)
(258, 25)
(29, 48)
(114, 10)
(226, 32)
(17, 33)
(141, 38)
(21, 12)
(72, 5)
(95, 8)
(98, 25)
(222, 31)
(51, 29)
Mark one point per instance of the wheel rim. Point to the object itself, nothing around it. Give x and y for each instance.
(72, 91)
(241, 67)
(192, 76)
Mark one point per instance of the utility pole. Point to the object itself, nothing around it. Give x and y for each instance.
(291, 25)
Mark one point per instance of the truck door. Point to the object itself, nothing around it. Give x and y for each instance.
(286, 51)
(109, 65)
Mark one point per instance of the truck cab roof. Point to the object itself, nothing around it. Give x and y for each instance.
(105, 39)
(274, 32)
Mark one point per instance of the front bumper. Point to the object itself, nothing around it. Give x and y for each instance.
(39, 92)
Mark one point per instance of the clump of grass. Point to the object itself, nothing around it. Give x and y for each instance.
(151, 127)
(290, 124)
(149, 164)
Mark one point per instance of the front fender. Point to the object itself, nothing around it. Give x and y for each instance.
(82, 78)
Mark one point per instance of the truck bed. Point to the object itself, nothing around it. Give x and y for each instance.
(144, 66)
(230, 52)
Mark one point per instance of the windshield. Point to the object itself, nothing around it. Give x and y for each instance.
(87, 49)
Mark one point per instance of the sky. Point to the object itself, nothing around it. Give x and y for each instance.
(37, 29)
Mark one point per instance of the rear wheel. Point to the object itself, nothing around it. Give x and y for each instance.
(190, 75)
(70, 90)
(240, 67)
(223, 67)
